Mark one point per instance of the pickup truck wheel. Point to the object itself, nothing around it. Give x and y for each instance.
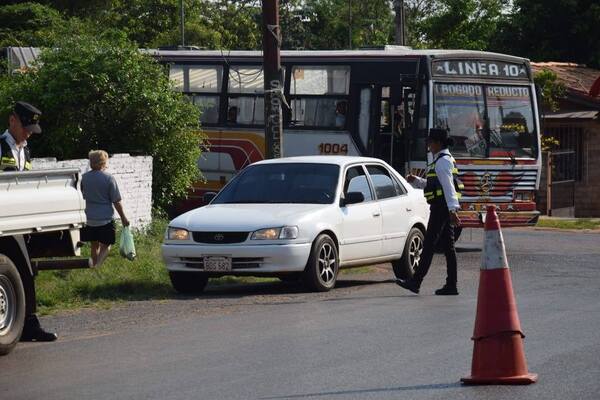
(404, 268)
(323, 264)
(188, 282)
(12, 305)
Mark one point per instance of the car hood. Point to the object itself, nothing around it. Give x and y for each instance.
(247, 217)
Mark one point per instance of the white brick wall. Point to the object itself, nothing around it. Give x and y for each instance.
(133, 175)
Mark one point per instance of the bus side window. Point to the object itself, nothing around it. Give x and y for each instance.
(202, 85)
(319, 96)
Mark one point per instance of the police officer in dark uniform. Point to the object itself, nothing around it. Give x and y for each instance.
(442, 189)
(14, 156)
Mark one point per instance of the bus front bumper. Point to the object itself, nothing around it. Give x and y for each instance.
(511, 215)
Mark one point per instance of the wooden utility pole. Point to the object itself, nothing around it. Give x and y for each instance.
(182, 22)
(399, 21)
(273, 79)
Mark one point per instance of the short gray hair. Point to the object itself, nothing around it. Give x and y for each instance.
(98, 159)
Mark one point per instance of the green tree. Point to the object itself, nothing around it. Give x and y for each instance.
(29, 24)
(554, 30)
(456, 24)
(102, 92)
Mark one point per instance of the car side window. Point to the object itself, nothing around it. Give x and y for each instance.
(356, 181)
(385, 186)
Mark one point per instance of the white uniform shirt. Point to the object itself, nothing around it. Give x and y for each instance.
(18, 152)
(443, 170)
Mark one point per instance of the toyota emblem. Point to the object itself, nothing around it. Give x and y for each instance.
(219, 237)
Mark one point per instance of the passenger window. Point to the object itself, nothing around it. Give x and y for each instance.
(209, 108)
(319, 96)
(328, 80)
(356, 181)
(202, 86)
(383, 183)
(246, 103)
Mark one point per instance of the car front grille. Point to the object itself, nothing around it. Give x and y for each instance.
(236, 262)
(220, 237)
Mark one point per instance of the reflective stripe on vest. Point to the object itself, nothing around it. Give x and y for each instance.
(433, 190)
(8, 162)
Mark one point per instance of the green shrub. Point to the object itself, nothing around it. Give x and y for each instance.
(103, 93)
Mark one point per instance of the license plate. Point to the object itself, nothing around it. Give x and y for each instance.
(217, 263)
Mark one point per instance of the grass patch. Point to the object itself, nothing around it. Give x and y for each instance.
(118, 279)
(560, 223)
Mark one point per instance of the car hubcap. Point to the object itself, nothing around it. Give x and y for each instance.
(327, 264)
(414, 251)
(7, 304)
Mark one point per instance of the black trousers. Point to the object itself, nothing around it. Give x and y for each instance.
(439, 231)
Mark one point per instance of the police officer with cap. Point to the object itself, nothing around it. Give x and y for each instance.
(14, 156)
(442, 189)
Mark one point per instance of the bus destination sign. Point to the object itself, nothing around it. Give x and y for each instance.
(479, 69)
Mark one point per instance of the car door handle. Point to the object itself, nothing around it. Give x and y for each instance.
(408, 209)
(376, 214)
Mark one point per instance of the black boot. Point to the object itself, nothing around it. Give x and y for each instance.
(33, 332)
(409, 284)
(447, 290)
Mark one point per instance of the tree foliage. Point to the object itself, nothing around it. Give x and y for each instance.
(556, 30)
(104, 93)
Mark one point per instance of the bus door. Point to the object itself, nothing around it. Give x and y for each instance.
(385, 114)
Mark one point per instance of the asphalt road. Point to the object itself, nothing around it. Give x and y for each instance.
(367, 339)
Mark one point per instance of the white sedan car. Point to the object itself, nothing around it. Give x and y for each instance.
(300, 218)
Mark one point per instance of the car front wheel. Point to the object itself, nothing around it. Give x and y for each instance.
(188, 282)
(322, 268)
(404, 268)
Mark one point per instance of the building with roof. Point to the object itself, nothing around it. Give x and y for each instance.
(573, 187)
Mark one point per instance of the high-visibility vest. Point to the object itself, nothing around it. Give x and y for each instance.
(433, 191)
(8, 162)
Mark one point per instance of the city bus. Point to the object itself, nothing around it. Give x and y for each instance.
(378, 103)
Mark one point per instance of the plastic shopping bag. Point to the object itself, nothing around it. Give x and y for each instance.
(127, 247)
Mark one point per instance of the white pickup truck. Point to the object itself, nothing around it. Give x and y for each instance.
(41, 213)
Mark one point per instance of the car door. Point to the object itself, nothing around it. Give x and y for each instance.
(395, 208)
(361, 222)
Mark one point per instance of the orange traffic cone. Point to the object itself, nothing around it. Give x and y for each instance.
(498, 355)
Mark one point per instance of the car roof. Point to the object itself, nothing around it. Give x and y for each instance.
(336, 160)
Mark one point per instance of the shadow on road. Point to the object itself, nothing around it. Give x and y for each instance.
(138, 290)
(433, 386)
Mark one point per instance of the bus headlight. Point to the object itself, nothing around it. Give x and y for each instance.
(523, 196)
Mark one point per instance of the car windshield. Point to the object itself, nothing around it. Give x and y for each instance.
(463, 108)
(282, 183)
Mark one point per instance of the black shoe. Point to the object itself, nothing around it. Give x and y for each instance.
(447, 291)
(33, 332)
(408, 285)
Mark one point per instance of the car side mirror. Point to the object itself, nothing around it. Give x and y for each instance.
(208, 197)
(352, 198)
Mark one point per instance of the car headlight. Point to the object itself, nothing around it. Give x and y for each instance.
(286, 232)
(178, 234)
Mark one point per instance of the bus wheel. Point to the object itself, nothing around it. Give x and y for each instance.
(12, 305)
(404, 268)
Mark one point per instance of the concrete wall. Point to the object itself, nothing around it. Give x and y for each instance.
(133, 175)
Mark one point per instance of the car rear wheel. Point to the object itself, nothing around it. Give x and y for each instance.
(12, 305)
(404, 268)
(322, 268)
(188, 282)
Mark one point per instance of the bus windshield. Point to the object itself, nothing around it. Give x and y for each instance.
(463, 109)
